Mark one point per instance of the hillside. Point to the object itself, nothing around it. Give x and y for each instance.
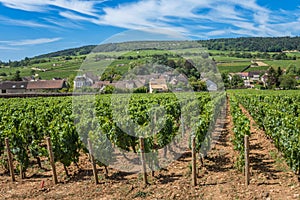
(261, 44)
(231, 55)
(68, 52)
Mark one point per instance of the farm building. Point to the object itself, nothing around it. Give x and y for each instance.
(46, 85)
(13, 87)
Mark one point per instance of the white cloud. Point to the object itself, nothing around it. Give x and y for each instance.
(178, 15)
(189, 17)
(75, 17)
(217, 33)
(63, 23)
(80, 6)
(8, 48)
(29, 42)
(26, 23)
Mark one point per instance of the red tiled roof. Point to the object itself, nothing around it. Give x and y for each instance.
(46, 84)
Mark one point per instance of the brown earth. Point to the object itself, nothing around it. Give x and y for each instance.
(217, 179)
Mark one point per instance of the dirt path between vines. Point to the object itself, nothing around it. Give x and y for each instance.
(218, 179)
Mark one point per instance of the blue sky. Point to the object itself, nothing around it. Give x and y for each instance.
(34, 27)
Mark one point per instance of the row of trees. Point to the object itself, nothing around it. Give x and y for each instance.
(261, 44)
(265, 55)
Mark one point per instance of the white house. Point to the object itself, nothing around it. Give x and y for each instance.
(86, 80)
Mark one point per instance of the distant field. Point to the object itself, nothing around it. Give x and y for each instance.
(229, 59)
(54, 68)
(63, 68)
(232, 66)
(230, 69)
(282, 63)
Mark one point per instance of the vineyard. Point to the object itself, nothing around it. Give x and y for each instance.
(69, 122)
(115, 123)
(278, 115)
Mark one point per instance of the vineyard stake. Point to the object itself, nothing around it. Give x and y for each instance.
(93, 161)
(142, 145)
(21, 172)
(54, 175)
(10, 162)
(194, 174)
(247, 173)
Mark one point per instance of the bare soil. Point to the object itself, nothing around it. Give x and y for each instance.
(217, 179)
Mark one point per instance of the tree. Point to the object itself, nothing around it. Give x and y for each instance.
(109, 89)
(288, 82)
(226, 80)
(16, 76)
(279, 73)
(70, 82)
(272, 78)
(291, 70)
(198, 85)
(237, 81)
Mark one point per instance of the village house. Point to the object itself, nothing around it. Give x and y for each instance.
(86, 80)
(13, 87)
(249, 77)
(100, 84)
(129, 84)
(254, 76)
(158, 85)
(10, 87)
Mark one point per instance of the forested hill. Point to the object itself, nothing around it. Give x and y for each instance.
(69, 52)
(261, 44)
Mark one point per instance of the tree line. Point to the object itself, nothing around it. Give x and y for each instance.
(261, 44)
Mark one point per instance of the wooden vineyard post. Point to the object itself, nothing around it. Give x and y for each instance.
(93, 161)
(21, 172)
(49, 147)
(10, 160)
(194, 174)
(142, 145)
(247, 172)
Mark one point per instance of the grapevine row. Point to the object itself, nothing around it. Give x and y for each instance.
(70, 121)
(241, 128)
(278, 115)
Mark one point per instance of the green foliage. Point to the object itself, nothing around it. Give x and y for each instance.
(198, 85)
(16, 76)
(241, 128)
(293, 70)
(278, 114)
(109, 89)
(237, 81)
(261, 44)
(142, 89)
(27, 122)
(288, 82)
